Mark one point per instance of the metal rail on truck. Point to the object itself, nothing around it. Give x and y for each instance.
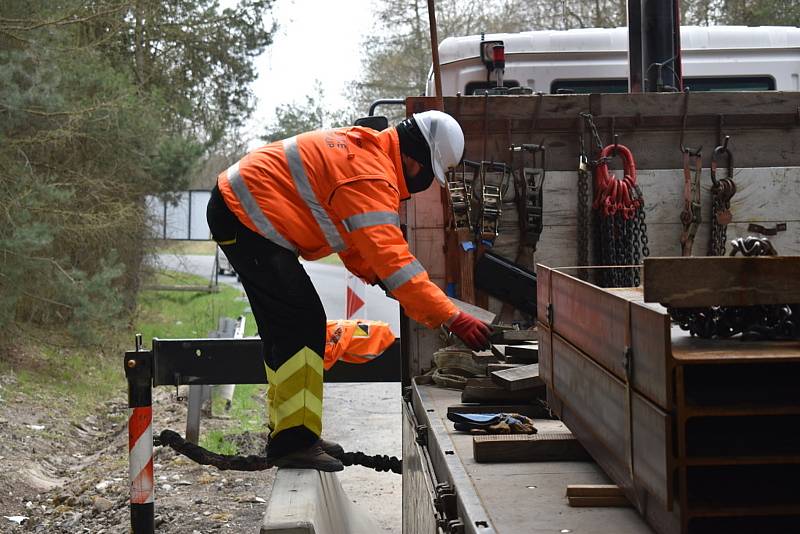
(455, 504)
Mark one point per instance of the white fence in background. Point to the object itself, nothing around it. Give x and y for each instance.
(184, 219)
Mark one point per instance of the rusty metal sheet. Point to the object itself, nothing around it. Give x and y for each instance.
(722, 281)
(688, 349)
(592, 319)
(542, 291)
(652, 364)
(653, 459)
(598, 400)
(545, 354)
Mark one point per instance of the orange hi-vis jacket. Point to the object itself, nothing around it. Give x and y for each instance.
(337, 191)
(356, 341)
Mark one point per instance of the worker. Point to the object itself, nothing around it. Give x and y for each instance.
(311, 195)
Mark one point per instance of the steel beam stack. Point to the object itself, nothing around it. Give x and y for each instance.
(702, 435)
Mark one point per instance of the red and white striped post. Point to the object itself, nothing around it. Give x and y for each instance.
(356, 301)
(138, 369)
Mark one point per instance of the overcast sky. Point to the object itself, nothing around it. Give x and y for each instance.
(315, 40)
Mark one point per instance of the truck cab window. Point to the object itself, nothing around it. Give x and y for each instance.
(589, 86)
(744, 83)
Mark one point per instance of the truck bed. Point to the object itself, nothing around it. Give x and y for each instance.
(507, 498)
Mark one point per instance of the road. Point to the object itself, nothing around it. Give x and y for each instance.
(329, 280)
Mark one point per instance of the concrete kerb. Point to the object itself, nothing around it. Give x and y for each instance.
(305, 501)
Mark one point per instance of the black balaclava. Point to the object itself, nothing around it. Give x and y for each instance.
(413, 144)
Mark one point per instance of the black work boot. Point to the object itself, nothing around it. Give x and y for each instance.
(331, 447)
(313, 457)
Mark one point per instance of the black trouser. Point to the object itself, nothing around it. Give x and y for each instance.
(291, 323)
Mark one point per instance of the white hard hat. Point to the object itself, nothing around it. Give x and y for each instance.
(445, 139)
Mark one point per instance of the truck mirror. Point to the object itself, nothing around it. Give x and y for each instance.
(376, 122)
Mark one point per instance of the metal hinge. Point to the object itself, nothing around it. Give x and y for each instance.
(455, 526)
(627, 363)
(445, 500)
(550, 314)
(422, 435)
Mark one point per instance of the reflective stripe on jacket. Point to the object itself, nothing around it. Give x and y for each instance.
(337, 191)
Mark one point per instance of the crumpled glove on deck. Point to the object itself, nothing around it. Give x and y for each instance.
(471, 330)
(493, 423)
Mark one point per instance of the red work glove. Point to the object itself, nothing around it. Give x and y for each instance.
(472, 331)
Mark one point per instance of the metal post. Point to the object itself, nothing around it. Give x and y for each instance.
(654, 46)
(139, 372)
(635, 67)
(437, 71)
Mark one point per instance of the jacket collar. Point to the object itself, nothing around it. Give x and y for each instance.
(390, 143)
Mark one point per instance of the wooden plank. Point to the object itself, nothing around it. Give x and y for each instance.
(594, 490)
(724, 281)
(761, 194)
(484, 390)
(522, 353)
(484, 315)
(514, 337)
(492, 367)
(645, 122)
(600, 501)
(543, 447)
(524, 377)
(499, 351)
(645, 109)
(664, 240)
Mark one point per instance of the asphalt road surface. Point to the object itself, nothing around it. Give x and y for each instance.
(329, 280)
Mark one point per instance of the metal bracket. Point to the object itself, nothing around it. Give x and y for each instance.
(455, 526)
(445, 500)
(422, 435)
(763, 230)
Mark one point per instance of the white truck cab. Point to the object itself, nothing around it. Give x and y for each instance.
(595, 60)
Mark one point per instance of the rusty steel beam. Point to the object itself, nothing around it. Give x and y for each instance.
(669, 417)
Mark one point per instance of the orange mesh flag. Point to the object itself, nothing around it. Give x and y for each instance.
(356, 341)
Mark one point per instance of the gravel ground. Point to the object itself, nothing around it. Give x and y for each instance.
(71, 476)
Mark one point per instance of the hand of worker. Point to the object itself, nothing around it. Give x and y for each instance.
(470, 330)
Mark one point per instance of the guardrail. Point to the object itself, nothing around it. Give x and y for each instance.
(197, 362)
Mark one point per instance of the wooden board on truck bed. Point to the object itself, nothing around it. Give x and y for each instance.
(509, 498)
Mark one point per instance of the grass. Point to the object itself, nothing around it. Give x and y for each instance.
(185, 314)
(46, 369)
(172, 246)
(248, 410)
(182, 314)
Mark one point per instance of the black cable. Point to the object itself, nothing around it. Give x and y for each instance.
(226, 462)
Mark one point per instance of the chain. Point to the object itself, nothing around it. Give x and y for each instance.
(779, 321)
(716, 246)
(583, 204)
(721, 193)
(617, 240)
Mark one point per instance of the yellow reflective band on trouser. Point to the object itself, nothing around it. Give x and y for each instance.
(295, 393)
